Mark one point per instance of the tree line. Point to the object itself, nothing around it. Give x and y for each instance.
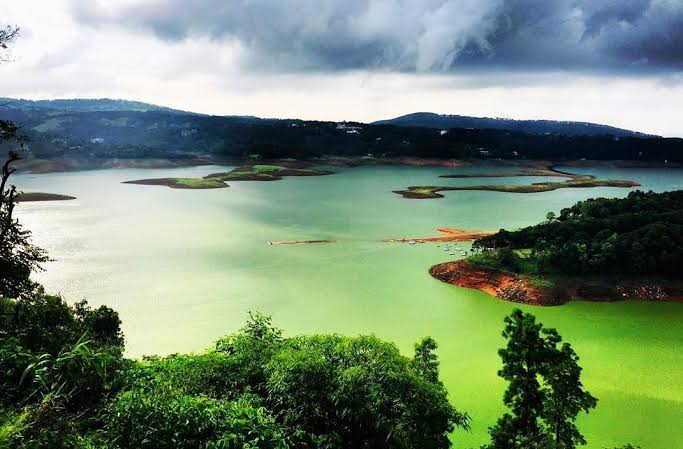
(56, 133)
(638, 235)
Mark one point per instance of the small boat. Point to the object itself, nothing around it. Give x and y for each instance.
(270, 243)
(412, 242)
(464, 253)
(451, 254)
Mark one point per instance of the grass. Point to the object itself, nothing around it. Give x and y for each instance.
(200, 183)
(267, 168)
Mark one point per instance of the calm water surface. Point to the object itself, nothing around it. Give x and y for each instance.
(183, 267)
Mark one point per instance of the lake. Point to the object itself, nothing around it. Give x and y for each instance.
(182, 268)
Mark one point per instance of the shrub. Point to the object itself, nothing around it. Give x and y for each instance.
(165, 420)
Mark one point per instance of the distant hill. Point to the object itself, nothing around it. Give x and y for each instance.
(86, 105)
(100, 129)
(440, 121)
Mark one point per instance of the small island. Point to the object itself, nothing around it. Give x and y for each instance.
(244, 173)
(573, 181)
(182, 183)
(26, 197)
(597, 250)
(265, 173)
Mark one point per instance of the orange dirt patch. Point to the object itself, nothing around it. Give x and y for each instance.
(447, 235)
(493, 282)
(518, 288)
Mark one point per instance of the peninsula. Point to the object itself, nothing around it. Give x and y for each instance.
(597, 250)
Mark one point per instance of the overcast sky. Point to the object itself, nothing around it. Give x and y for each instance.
(618, 62)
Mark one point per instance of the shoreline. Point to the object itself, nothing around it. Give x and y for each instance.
(447, 235)
(39, 166)
(550, 291)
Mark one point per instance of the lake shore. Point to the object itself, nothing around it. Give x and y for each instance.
(551, 291)
(447, 235)
(59, 165)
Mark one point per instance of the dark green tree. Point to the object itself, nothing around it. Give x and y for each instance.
(544, 394)
(18, 256)
(565, 397)
(523, 360)
(425, 361)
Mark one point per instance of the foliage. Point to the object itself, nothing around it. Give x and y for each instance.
(160, 420)
(544, 394)
(638, 235)
(18, 256)
(358, 393)
(43, 323)
(58, 366)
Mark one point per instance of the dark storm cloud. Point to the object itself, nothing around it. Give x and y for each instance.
(422, 35)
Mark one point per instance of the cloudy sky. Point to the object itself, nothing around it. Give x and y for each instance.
(618, 62)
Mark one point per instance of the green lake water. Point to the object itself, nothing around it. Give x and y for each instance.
(183, 267)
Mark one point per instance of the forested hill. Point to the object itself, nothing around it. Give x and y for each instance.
(442, 121)
(638, 235)
(84, 105)
(97, 129)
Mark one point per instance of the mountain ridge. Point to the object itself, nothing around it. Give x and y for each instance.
(541, 126)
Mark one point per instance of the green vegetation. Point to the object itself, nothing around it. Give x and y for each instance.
(64, 384)
(64, 129)
(18, 256)
(544, 393)
(574, 181)
(268, 168)
(639, 235)
(265, 173)
(201, 183)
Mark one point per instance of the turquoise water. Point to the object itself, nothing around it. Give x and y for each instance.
(182, 267)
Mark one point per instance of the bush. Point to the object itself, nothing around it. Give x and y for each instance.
(358, 393)
(162, 420)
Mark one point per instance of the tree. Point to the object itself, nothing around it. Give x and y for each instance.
(18, 256)
(425, 361)
(7, 36)
(523, 359)
(564, 394)
(544, 393)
